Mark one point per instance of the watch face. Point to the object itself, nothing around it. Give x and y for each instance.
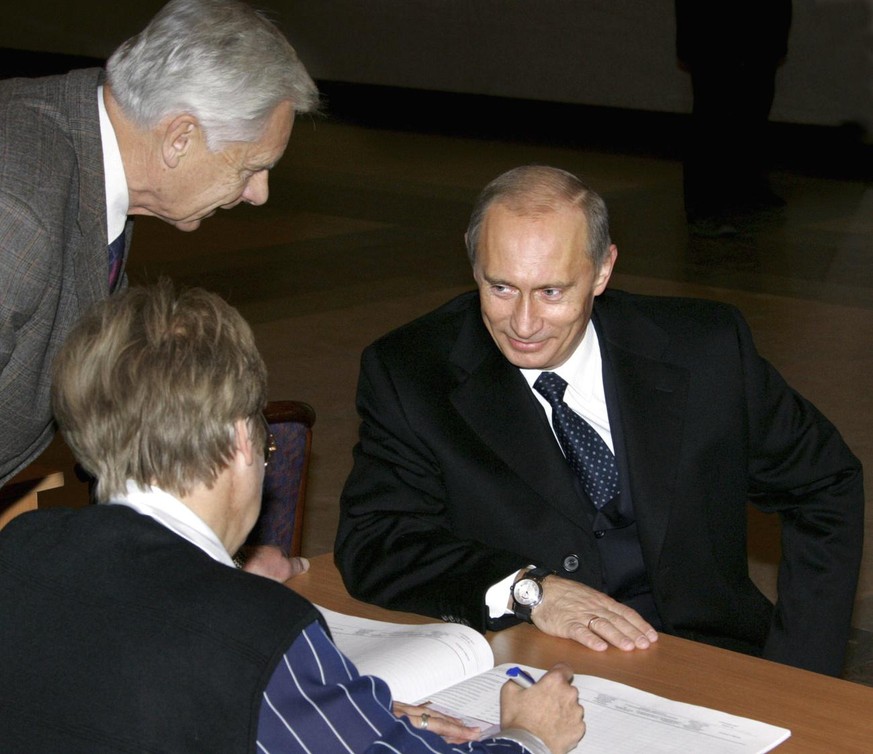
(527, 592)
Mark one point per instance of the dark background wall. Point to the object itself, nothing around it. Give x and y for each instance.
(610, 53)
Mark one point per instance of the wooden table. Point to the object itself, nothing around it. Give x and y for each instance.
(21, 493)
(824, 714)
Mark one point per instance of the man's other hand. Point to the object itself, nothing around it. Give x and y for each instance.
(575, 611)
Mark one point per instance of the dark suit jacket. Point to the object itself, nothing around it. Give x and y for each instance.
(53, 244)
(458, 479)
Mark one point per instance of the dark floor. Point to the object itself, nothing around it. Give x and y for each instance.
(364, 227)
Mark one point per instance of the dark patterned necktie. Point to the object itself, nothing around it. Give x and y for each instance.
(588, 455)
(116, 256)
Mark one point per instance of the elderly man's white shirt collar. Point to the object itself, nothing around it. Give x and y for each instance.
(117, 198)
(176, 516)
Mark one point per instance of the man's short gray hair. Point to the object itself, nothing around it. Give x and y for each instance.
(539, 189)
(218, 60)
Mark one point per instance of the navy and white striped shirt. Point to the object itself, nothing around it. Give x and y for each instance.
(317, 703)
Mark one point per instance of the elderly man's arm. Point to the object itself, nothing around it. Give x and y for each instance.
(29, 269)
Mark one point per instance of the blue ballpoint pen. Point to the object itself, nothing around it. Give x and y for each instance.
(525, 680)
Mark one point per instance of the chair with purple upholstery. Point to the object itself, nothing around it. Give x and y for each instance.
(281, 519)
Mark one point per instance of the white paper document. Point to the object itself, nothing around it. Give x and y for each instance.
(413, 660)
(623, 720)
(450, 667)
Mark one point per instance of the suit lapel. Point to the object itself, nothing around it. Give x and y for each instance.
(496, 402)
(646, 398)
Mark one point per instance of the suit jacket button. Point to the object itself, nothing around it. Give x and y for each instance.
(571, 563)
(599, 534)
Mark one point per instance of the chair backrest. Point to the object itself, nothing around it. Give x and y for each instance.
(281, 519)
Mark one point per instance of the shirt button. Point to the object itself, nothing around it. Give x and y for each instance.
(599, 534)
(571, 563)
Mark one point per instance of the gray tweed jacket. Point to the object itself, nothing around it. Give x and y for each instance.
(53, 244)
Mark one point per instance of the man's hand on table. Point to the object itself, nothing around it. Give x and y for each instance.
(269, 561)
(575, 611)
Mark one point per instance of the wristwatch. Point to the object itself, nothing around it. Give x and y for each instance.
(527, 592)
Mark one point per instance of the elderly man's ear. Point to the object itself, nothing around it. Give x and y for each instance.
(179, 138)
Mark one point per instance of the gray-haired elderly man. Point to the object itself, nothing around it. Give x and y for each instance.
(188, 118)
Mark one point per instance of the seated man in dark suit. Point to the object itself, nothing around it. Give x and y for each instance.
(609, 441)
(126, 627)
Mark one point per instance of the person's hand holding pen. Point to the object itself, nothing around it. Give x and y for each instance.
(521, 677)
(548, 708)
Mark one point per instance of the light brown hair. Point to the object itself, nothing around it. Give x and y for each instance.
(149, 384)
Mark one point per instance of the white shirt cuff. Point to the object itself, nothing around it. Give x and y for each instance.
(497, 597)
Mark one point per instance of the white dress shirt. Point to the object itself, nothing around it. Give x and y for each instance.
(583, 373)
(117, 198)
